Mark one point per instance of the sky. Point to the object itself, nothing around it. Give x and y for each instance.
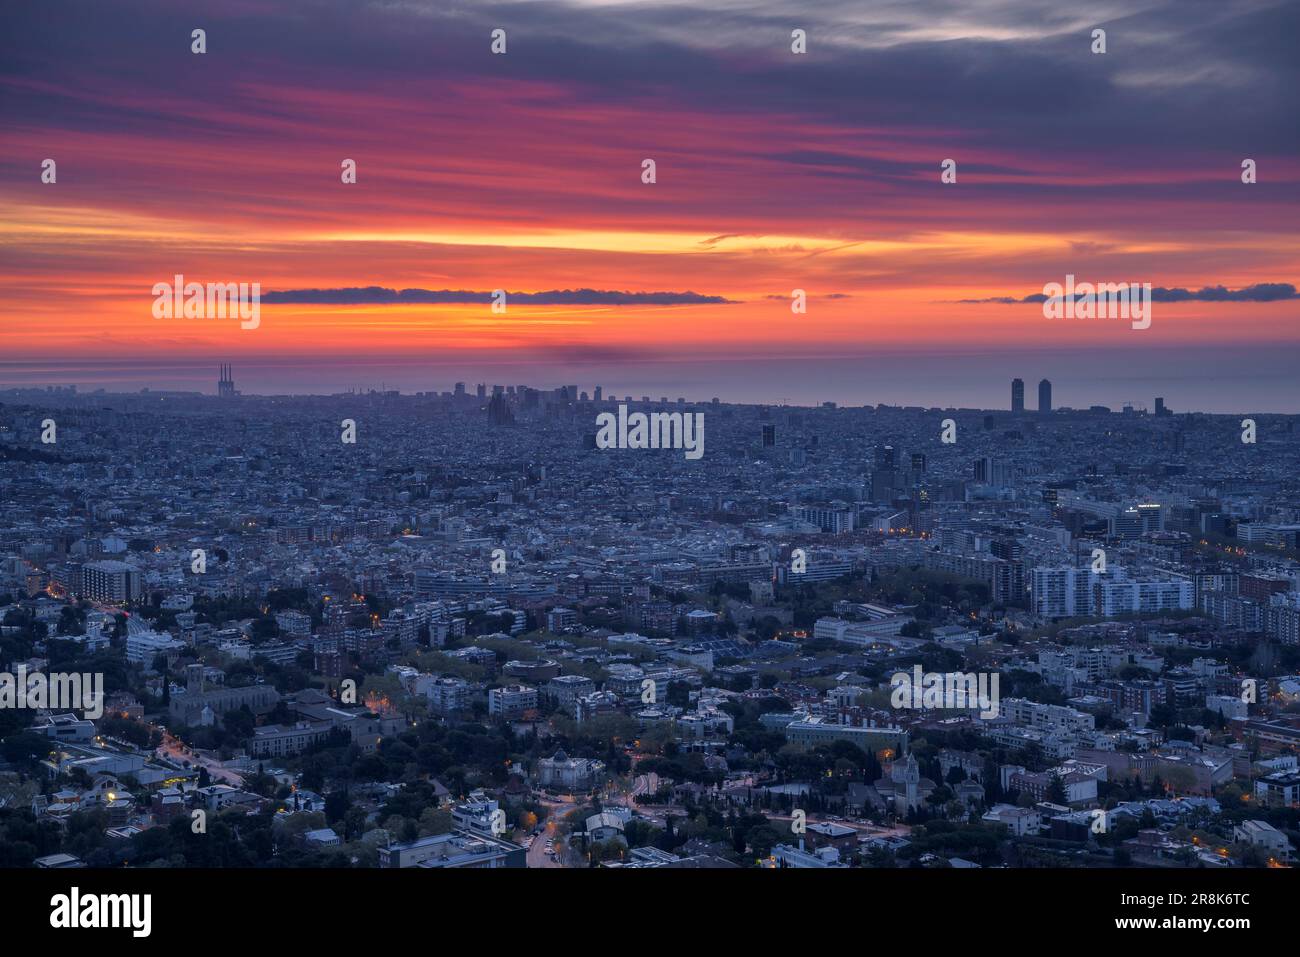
(775, 171)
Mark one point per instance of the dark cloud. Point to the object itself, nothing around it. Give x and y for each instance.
(1260, 292)
(829, 295)
(1015, 72)
(380, 296)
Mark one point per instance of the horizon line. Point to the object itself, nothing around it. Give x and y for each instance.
(73, 389)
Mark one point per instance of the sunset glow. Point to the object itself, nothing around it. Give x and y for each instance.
(522, 172)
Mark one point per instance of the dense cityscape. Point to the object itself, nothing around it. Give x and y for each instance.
(460, 629)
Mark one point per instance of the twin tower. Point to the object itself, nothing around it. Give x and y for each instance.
(1018, 396)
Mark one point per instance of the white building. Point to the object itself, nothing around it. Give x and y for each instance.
(1230, 706)
(565, 690)
(786, 855)
(561, 771)
(111, 581)
(859, 632)
(448, 695)
(511, 702)
(1019, 821)
(1046, 717)
(1065, 592)
(143, 644)
(1061, 592)
(1149, 595)
(1263, 835)
(322, 837)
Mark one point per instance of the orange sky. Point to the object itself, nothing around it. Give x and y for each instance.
(523, 173)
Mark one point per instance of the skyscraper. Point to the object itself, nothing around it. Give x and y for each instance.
(1017, 395)
(1044, 397)
(883, 482)
(499, 412)
(992, 471)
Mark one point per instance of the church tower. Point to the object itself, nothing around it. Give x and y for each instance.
(906, 775)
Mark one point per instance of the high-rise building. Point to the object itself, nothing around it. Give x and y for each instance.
(1006, 548)
(499, 412)
(599, 391)
(991, 471)
(1126, 596)
(1160, 406)
(1017, 395)
(1153, 517)
(884, 457)
(769, 436)
(918, 461)
(883, 483)
(111, 581)
(1061, 592)
(1045, 397)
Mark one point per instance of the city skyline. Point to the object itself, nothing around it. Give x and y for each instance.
(226, 387)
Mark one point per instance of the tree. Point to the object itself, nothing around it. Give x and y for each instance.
(1056, 790)
(762, 839)
(679, 694)
(70, 621)
(337, 803)
(26, 748)
(1162, 715)
(239, 722)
